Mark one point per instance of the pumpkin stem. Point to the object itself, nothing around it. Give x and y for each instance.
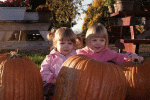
(14, 54)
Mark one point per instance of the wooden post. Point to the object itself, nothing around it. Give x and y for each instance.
(19, 40)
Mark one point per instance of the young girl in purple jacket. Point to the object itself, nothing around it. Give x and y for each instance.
(64, 42)
(97, 47)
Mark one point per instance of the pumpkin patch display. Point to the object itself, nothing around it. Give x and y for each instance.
(20, 78)
(82, 78)
(138, 80)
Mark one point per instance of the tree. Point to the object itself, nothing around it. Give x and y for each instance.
(95, 14)
(63, 12)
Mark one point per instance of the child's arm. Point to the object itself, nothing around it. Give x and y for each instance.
(122, 58)
(46, 73)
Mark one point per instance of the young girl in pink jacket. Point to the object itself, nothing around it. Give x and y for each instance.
(64, 43)
(97, 47)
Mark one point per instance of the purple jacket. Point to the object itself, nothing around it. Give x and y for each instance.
(104, 55)
(51, 65)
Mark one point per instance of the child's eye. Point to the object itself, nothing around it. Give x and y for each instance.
(61, 42)
(94, 40)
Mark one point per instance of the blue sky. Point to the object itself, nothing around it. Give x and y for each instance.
(78, 26)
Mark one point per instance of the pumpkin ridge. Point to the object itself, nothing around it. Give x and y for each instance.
(34, 78)
(86, 74)
(36, 81)
(19, 75)
(22, 81)
(111, 91)
(102, 91)
(113, 83)
(16, 76)
(31, 80)
(70, 72)
(10, 91)
(40, 84)
(140, 82)
(121, 78)
(28, 83)
(106, 80)
(81, 68)
(123, 81)
(102, 78)
(79, 76)
(89, 95)
(60, 79)
(136, 82)
(100, 82)
(96, 86)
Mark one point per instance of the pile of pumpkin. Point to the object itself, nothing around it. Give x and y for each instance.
(80, 78)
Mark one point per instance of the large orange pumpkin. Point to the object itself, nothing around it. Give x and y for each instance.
(20, 79)
(82, 78)
(138, 80)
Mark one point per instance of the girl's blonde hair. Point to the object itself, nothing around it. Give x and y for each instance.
(51, 34)
(65, 33)
(96, 30)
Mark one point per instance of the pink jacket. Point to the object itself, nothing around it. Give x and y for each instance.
(104, 55)
(51, 65)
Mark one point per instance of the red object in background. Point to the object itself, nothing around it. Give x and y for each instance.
(15, 3)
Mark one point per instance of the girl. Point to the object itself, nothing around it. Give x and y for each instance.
(97, 47)
(64, 43)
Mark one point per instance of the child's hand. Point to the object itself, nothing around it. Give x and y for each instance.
(54, 81)
(44, 82)
(135, 58)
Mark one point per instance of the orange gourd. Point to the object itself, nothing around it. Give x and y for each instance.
(20, 78)
(82, 78)
(138, 80)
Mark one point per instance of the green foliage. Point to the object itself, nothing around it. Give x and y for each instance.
(95, 14)
(37, 58)
(109, 2)
(63, 12)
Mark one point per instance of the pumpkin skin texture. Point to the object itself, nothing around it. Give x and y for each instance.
(20, 79)
(138, 80)
(82, 78)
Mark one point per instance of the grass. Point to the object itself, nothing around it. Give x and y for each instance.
(37, 58)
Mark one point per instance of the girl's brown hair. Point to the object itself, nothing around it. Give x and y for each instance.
(96, 30)
(65, 33)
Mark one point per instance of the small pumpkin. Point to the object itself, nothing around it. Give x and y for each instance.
(138, 80)
(82, 78)
(20, 78)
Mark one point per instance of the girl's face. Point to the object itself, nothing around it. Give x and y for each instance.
(97, 44)
(65, 47)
